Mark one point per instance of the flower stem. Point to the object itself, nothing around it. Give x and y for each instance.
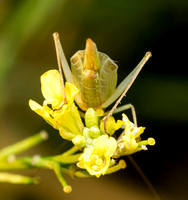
(66, 159)
(16, 179)
(82, 174)
(23, 145)
(42, 162)
(115, 168)
(71, 151)
(18, 164)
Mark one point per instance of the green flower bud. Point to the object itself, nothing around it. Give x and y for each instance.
(91, 118)
(94, 132)
(79, 141)
(86, 133)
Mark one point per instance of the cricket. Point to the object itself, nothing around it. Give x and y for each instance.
(95, 75)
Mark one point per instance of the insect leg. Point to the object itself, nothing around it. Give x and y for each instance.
(126, 107)
(144, 177)
(127, 82)
(56, 36)
(66, 69)
(64, 64)
(124, 87)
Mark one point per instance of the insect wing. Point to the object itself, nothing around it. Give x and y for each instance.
(108, 77)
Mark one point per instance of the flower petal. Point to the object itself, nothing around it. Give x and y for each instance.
(70, 91)
(51, 88)
(96, 159)
(105, 145)
(69, 118)
(43, 112)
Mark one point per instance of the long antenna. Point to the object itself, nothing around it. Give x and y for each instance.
(56, 39)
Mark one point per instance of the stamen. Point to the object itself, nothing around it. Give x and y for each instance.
(144, 147)
(122, 164)
(94, 157)
(151, 141)
(95, 167)
(99, 161)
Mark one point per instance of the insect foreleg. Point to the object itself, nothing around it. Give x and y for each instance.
(124, 86)
(127, 82)
(126, 107)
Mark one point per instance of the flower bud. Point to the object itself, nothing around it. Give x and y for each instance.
(91, 118)
(79, 141)
(86, 132)
(94, 132)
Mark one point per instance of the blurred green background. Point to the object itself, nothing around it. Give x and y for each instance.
(124, 30)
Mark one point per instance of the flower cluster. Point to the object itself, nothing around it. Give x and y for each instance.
(99, 150)
(60, 113)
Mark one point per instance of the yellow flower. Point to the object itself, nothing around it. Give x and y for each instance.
(131, 142)
(96, 159)
(62, 115)
(111, 125)
(130, 135)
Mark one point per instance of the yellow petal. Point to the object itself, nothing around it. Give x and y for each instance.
(70, 91)
(96, 159)
(137, 131)
(68, 117)
(111, 125)
(105, 145)
(45, 113)
(118, 125)
(126, 122)
(51, 87)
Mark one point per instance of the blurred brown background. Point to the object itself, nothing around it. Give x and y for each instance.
(124, 30)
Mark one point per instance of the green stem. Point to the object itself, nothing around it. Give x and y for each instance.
(67, 159)
(60, 163)
(37, 161)
(15, 165)
(115, 168)
(71, 151)
(74, 172)
(82, 174)
(43, 162)
(23, 145)
(57, 170)
(16, 179)
(57, 163)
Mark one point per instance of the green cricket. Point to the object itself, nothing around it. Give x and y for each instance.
(95, 75)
